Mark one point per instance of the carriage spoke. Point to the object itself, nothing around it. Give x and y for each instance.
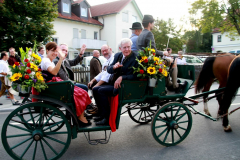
(19, 128)
(161, 126)
(145, 115)
(35, 149)
(56, 140)
(160, 119)
(175, 116)
(44, 153)
(53, 125)
(32, 117)
(163, 132)
(183, 122)
(51, 133)
(18, 135)
(171, 113)
(21, 143)
(178, 133)
(172, 135)
(182, 128)
(137, 113)
(40, 118)
(50, 146)
(181, 116)
(48, 120)
(27, 149)
(140, 116)
(166, 135)
(24, 121)
(166, 115)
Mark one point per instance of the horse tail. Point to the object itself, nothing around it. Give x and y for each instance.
(205, 75)
(233, 83)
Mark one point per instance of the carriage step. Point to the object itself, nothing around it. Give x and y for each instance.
(97, 141)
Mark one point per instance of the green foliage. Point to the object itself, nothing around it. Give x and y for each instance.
(161, 31)
(217, 14)
(26, 21)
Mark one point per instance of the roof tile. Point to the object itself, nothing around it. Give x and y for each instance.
(108, 8)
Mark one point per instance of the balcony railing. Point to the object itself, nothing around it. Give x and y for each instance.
(90, 43)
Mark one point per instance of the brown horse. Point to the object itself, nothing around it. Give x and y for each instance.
(213, 67)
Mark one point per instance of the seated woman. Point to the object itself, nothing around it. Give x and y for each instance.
(81, 97)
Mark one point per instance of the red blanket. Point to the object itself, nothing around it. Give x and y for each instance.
(113, 113)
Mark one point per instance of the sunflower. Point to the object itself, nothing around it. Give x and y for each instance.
(156, 59)
(151, 70)
(143, 58)
(153, 50)
(37, 57)
(39, 76)
(164, 72)
(16, 76)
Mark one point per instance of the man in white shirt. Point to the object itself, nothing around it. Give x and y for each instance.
(103, 77)
(181, 59)
(3, 72)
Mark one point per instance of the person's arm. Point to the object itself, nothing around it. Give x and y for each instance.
(97, 67)
(150, 37)
(111, 68)
(3, 73)
(99, 83)
(54, 70)
(91, 82)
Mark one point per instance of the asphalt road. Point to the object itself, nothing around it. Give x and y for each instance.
(206, 141)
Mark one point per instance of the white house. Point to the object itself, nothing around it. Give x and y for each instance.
(220, 42)
(78, 23)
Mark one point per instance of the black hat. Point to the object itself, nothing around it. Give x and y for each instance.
(136, 25)
(147, 19)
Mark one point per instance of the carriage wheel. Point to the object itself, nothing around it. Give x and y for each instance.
(28, 134)
(171, 124)
(141, 113)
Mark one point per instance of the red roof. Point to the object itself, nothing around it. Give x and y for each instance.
(78, 1)
(76, 18)
(216, 30)
(108, 8)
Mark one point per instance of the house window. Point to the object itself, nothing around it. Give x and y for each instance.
(95, 35)
(55, 40)
(125, 34)
(83, 34)
(219, 38)
(124, 16)
(65, 7)
(75, 33)
(84, 12)
(134, 19)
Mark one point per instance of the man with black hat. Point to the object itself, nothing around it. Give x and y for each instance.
(147, 36)
(136, 31)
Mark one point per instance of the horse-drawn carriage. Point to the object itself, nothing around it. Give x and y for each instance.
(45, 128)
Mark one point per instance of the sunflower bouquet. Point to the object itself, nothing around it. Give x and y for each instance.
(150, 66)
(27, 73)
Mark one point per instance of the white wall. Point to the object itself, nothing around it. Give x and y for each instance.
(225, 45)
(114, 26)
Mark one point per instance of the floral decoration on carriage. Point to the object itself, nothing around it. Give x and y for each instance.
(27, 74)
(150, 66)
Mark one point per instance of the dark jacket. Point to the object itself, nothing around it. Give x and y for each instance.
(126, 71)
(95, 67)
(67, 63)
(144, 41)
(13, 59)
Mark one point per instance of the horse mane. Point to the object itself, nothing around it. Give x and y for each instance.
(233, 83)
(205, 74)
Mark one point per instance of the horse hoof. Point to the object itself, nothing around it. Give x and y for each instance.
(227, 128)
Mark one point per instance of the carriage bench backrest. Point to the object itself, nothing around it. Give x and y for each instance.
(186, 72)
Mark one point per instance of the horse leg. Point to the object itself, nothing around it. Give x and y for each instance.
(205, 89)
(219, 98)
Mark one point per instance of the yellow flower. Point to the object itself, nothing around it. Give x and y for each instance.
(153, 50)
(16, 76)
(14, 66)
(143, 58)
(39, 76)
(151, 70)
(164, 72)
(37, 57)
(156, 59)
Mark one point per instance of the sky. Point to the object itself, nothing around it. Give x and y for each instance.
(161, 9)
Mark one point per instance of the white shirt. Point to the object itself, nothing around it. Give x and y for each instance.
(3, 67)
(181, 61)
(104, 75)
(46, 63)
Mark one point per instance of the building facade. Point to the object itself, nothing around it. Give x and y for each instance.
(222, 43)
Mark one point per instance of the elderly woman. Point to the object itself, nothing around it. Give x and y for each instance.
(81, 97)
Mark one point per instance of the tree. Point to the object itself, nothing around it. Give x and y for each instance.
(161, 34)
(26, 21)
(222, 14)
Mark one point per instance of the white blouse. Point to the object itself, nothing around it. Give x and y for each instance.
(46, 63)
